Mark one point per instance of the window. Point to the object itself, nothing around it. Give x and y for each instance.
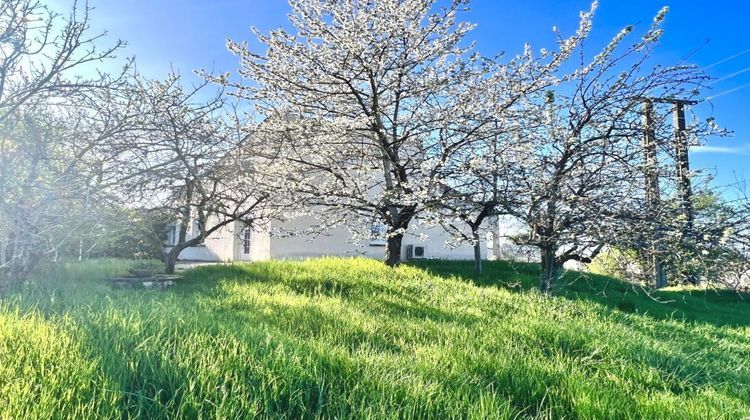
(246, 236)
(378, 234)
(172, 235)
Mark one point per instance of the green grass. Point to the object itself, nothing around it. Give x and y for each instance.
(340, 338)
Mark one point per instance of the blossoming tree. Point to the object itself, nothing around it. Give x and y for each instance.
(581, 185)
(364, 101)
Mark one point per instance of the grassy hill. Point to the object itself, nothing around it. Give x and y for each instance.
(353, 339)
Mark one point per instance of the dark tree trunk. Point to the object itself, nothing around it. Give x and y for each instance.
(477, 252)
(398, 222)
(170, 258)
(551, 268)
(660, 273)
(393, 250)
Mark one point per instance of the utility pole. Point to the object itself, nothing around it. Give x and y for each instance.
(683, 174)
(683, 164)
(653, 193)
(682, 160)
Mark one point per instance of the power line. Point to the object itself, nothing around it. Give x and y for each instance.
(724, 60)
(729, 76)
(726, 92)
(695, 51)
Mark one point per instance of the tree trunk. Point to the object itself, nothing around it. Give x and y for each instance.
(170, 259)
(477, 252)
(551, 268)
(496, 238)
(3, 255)
(660, 273)
(398, 222)
(393, 250)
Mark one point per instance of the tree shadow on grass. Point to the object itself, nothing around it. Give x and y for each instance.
(680, 371)
(714, 307)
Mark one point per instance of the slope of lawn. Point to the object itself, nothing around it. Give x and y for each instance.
(343, 338)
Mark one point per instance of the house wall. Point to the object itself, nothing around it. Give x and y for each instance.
(226, 244)
(219, 246)
(198, 253)
(260, 248)
(337, 242)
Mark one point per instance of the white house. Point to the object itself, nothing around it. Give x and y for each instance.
(235, 242)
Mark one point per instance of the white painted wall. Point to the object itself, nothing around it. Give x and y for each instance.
(260, 248)
(226, 244)
(219, 246)
(337, 242)
(198, 253)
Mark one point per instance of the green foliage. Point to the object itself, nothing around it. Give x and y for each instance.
(715, 250)
(352, 338)
(616, 263)
(125, 233)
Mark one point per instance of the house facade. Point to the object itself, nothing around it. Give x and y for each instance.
(235, 242)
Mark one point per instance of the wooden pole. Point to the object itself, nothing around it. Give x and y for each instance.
(685, 188)
(653, 193)
(683, 167)
(682, 160)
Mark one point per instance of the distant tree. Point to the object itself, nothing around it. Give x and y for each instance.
(192, 166)
(717, 251)
(55, 128)
(477, 176)
(112, 230)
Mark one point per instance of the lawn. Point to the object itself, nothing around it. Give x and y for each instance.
(351, 338)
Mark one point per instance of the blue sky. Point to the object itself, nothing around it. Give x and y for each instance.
(191, 34)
